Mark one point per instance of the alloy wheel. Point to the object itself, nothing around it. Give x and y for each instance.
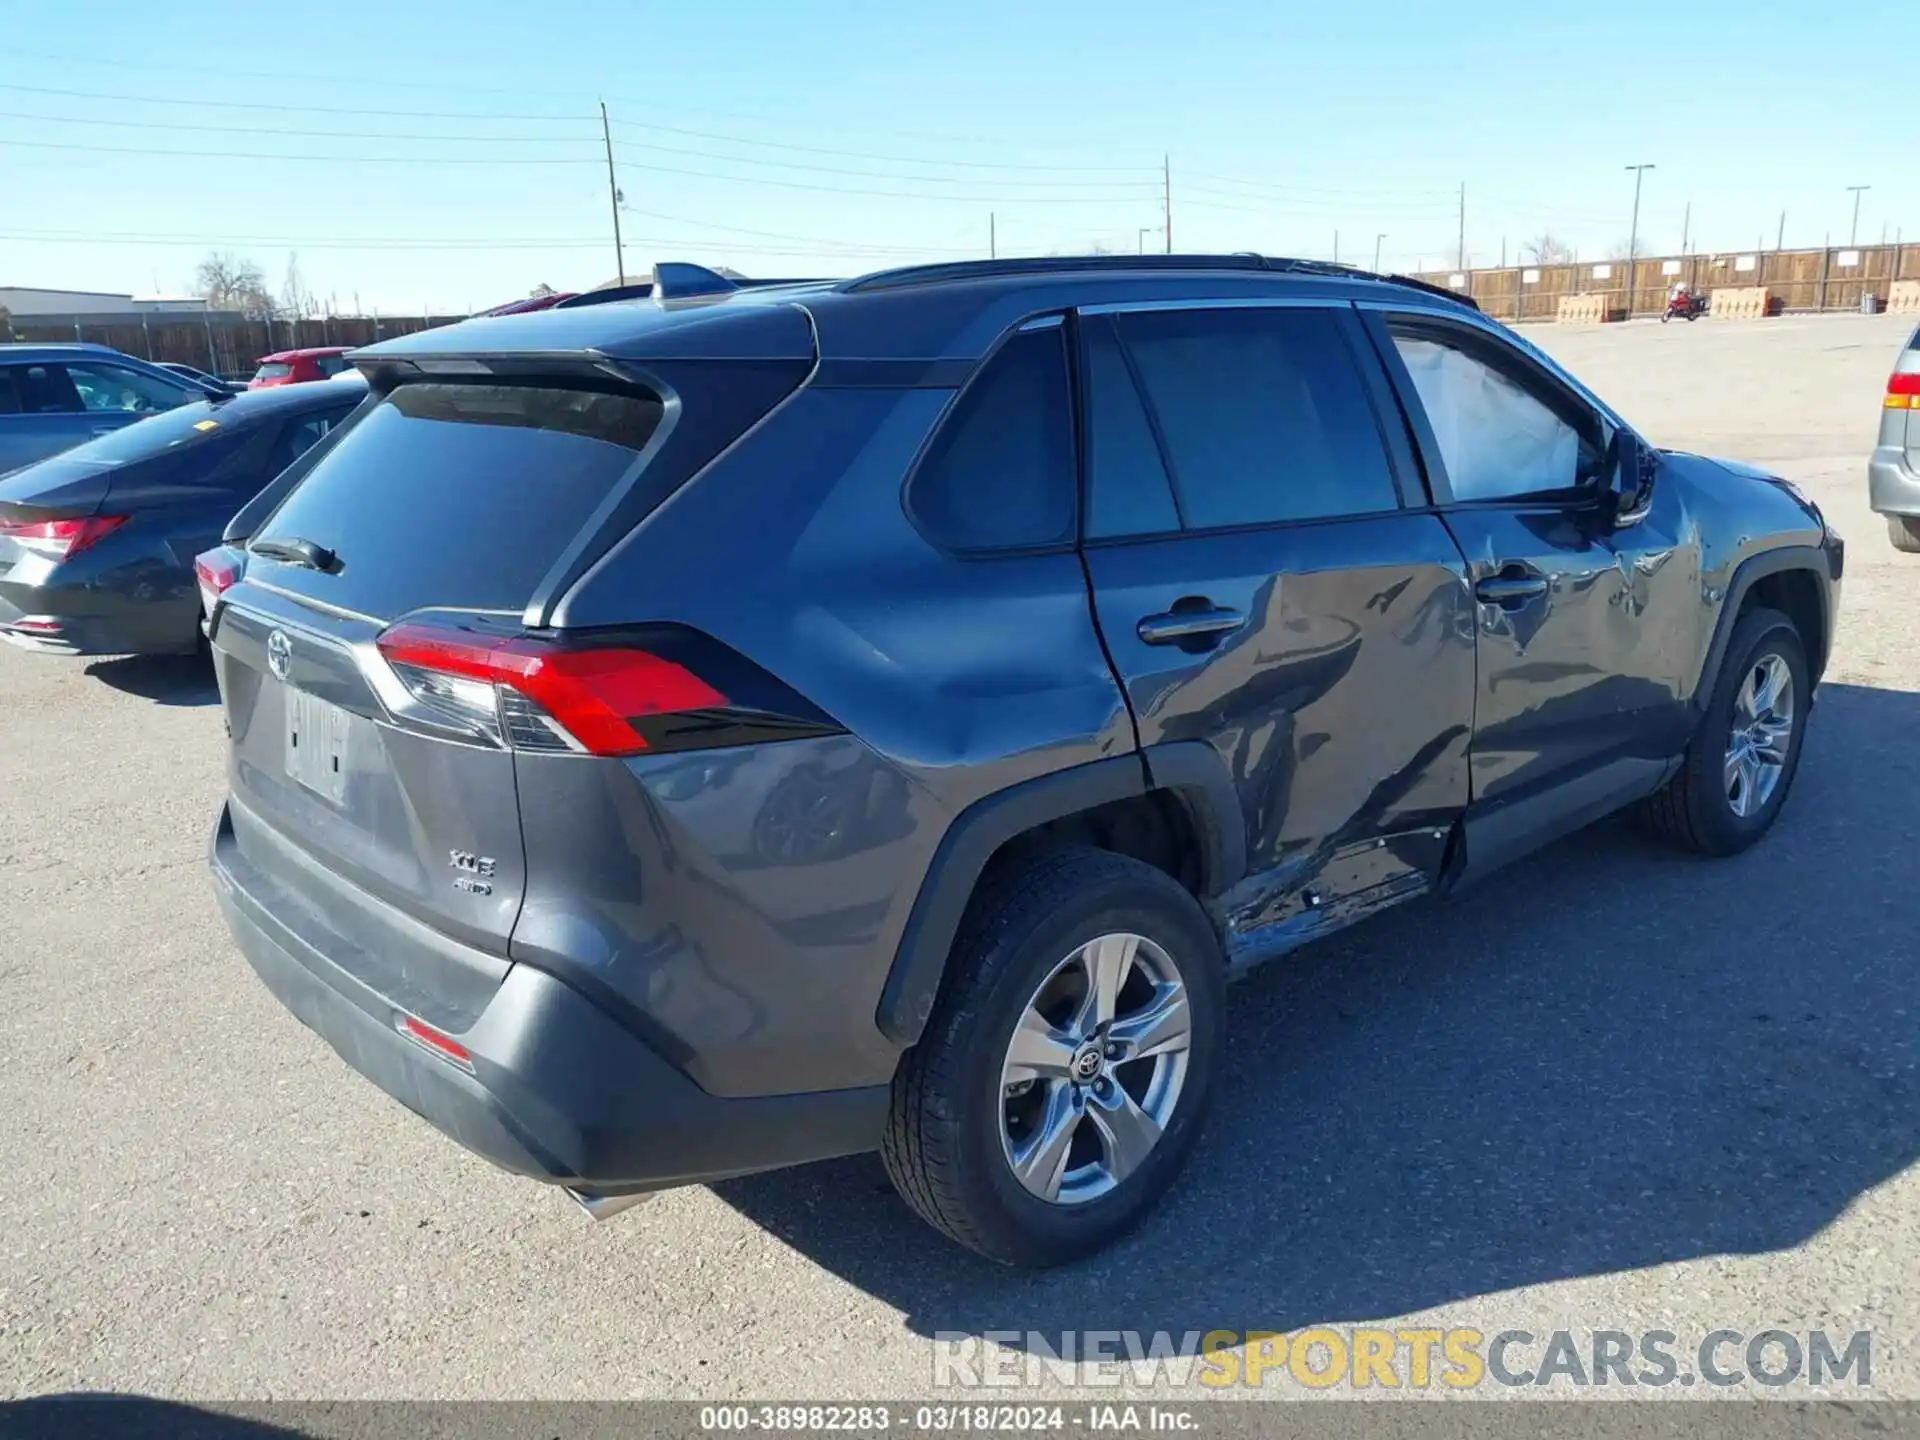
(1760, 735)
(1094, 1069)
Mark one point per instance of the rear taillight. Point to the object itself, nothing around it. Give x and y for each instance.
(61, 539)
(216, 572)
(1903, 388)
(598, 697)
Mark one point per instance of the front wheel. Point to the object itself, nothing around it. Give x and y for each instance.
(1666, 316)
(1061, 1081)
(1729, 789)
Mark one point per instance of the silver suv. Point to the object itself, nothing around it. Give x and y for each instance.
(1893, 475)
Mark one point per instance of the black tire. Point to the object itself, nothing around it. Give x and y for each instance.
(1692, 810)
(1904, 533)
(943, 1145)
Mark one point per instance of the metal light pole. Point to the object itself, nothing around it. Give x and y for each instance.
(1853, 235)
(1633, 237)
(1146, 230)
(1376, 252)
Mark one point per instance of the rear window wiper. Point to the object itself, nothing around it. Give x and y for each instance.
(297, 552)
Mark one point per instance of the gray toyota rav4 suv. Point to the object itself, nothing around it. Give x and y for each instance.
(686, 736)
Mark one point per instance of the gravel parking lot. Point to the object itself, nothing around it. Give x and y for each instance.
(1616, 1089)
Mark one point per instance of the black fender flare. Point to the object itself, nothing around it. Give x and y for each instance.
(1813, 559)
(1191, 771)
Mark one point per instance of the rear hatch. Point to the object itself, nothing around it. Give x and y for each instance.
(374, 808)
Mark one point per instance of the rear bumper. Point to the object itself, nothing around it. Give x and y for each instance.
(93, 621)
(1892, 487)
(559, 1091)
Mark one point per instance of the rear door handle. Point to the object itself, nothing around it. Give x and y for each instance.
(1170, 627)
(1510, 588)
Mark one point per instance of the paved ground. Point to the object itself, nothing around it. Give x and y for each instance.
(1619, 1090)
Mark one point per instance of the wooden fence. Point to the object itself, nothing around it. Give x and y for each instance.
(1810, 280)
(225, 343)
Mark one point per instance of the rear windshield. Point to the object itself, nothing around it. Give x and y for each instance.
(174, 429)
(279, 370)
(458, 494)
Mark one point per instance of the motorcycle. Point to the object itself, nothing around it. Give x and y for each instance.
(1687, 307)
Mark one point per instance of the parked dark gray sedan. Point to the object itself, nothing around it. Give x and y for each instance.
(97, 543)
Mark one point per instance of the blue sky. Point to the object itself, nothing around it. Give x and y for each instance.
(425, 154)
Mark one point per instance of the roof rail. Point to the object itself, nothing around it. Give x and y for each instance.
(1059, 265)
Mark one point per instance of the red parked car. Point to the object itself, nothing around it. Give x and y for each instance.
(296, 367)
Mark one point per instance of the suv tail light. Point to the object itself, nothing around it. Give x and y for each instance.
(61, 539)
(608, 697)
(216, 572)
(1903, 387)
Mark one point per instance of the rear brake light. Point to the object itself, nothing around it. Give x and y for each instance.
(536, 695)
(441, 1044)
(1903, 389)
(217, 571)
(61, 539)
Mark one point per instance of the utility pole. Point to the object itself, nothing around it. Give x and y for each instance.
(1853, 235)
(1633, 237)
(1336, 247)
(1166, 180)
(1376, 252)
(993, 236)
(1145, 230)
(1462, 260)
(613, 197)
(1780, 237)
(1686, 228)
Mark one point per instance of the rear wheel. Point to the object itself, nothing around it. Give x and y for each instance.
(1061, 1081)
(1740, 766)
(1904, 533)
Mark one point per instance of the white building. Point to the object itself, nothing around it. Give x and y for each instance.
(30, 302)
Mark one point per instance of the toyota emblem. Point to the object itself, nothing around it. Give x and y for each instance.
(279, 654)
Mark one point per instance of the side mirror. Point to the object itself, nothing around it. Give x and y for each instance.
(1631, 464)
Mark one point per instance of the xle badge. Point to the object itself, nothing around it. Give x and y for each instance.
(475, 871)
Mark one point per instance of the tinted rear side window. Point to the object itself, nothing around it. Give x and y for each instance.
(1127, 489)
(999, 474)
(460, 495)
(1264, 414)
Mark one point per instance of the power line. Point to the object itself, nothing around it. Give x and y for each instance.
(852, 249)
(290, 109)
(889, 159)
(1303, 189)
(275, 130)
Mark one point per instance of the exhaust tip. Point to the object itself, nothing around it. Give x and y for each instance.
(605, 1207)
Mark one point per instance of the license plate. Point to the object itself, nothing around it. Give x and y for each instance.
(317, 745)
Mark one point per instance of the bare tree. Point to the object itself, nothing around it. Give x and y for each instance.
(228, 282)
(1547, 248)
(296, 300)
(1625, 249)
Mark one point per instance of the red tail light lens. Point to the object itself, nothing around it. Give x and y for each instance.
(536, 695)
(217, 571)
(61, 539)
(1903, 389)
